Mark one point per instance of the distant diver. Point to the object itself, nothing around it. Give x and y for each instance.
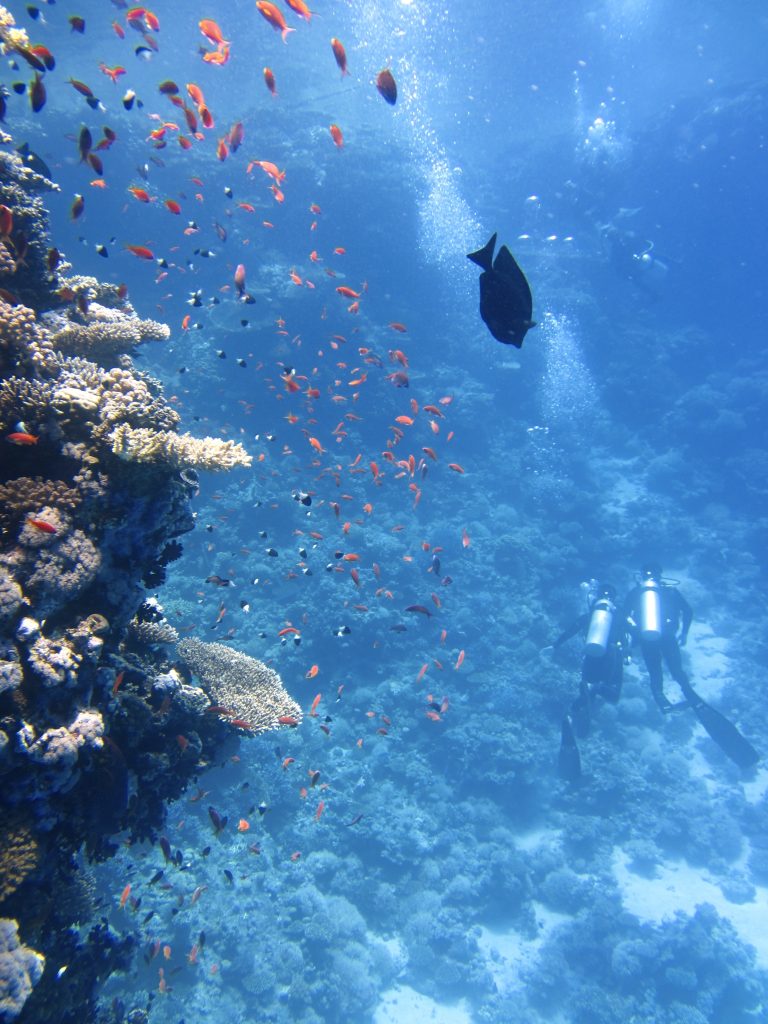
(607, 637)
(658, 610)
(506, 304)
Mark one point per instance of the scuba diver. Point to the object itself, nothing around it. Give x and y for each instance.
(656, 611)
(602, 669)
(633, 258)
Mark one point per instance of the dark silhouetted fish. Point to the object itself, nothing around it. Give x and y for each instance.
(505, 297)
(33, 161)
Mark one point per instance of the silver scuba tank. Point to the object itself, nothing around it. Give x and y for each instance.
(650, 610)
(599, 629)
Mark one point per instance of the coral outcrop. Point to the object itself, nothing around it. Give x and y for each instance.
(20, 970)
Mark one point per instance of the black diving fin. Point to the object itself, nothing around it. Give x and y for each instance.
(726, 735)
(569, 759)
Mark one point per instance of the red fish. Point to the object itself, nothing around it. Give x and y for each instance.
(212, 32)
(274, 17)
(387, 86)
(141, 251)
(21, 438)
(269, 78)
(42, 526)
(340, 54)
(336, 135)
(240, 279)
(300, 8)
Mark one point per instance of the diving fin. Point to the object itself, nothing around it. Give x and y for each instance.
(484, 257)
(569, 760)
(726, 735)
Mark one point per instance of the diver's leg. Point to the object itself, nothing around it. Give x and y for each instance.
(612, 674)
(582, 706)
(569, 761)
(652, 658)
(674, 660)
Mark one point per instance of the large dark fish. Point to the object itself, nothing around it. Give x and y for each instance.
(33, 161)
(505, 298)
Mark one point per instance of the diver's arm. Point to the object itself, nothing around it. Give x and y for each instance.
(686, 614)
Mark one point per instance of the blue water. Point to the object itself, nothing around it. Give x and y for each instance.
(476, 886)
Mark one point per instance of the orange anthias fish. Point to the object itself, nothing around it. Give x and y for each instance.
(269, 78)
(141, 251)
(21, 438)
(341, 56)
(274, 17)
(212, 32)
(336, 135)
(300, 8)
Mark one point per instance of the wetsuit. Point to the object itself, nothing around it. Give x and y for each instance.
(676, 614)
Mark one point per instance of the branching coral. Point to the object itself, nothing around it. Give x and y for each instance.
(182, 451)
(22, 399)
(22, 341)
(152, 633)
(101, 334)
(252, 691)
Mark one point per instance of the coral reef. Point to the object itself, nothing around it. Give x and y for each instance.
(246, 687)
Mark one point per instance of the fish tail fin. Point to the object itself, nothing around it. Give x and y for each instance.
(484, 257)
(285, 32)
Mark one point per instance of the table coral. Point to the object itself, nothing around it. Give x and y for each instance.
(182, 451)
(252, 691)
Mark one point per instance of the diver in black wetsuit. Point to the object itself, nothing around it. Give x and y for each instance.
(602, 670)
(658, 611)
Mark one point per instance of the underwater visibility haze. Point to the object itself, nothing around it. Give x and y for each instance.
(380, 640)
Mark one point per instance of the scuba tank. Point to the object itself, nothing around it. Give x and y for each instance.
(599, 629)
(650, 609)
